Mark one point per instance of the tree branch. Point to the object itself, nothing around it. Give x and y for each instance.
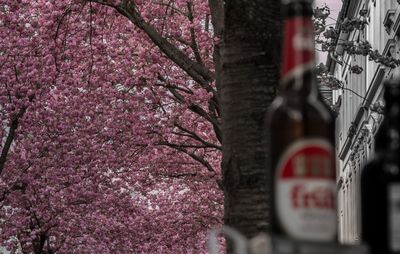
(177, 175)
(192, 107)
(201, 112)
(170, 6)
(196, 137)
(198, 72)
(213, 106)
(168, 86)
(192, 155)
(193, 45)
(11, 135)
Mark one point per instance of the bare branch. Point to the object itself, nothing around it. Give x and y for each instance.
(196, 137)
(201, 112)
(170, 6)
(180, 39)
(212, 117)
(192, 155)
(193, 45)
(168, 86)
(177, 175)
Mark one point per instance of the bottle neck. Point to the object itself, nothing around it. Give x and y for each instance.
(298, 50)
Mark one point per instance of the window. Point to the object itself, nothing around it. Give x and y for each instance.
(389, 20)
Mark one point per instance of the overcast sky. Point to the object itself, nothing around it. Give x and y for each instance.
(335, 6)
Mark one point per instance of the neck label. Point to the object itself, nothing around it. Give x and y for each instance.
(298, 48)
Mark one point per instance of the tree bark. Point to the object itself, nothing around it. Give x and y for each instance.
(249, 80)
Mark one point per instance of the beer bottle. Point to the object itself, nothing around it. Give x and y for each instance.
(301, 131)
(380, 181)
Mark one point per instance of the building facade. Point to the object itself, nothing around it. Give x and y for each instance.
(359, 100)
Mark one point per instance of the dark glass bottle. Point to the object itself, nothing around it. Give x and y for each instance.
(380, 181)
(301, 131)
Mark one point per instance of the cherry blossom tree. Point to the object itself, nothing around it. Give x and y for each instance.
(110, 131)
(241, 78)
(114, 115)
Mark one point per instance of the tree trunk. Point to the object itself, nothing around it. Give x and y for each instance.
(249, 80)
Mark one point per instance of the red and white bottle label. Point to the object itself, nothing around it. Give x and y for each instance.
(305, 191)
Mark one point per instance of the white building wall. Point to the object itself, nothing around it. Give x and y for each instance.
(356, 122)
